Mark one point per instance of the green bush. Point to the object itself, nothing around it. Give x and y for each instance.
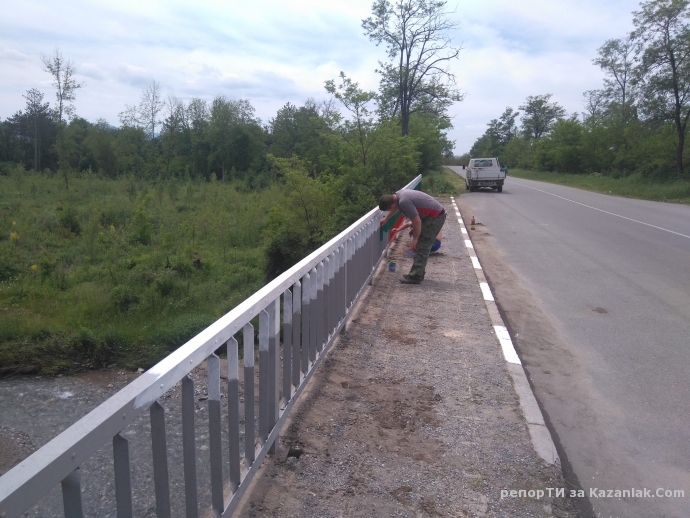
(123, 298)
(70, 220)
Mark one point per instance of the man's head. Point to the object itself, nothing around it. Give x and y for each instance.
(388, 202)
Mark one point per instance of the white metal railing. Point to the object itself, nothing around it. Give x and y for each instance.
(317, 294)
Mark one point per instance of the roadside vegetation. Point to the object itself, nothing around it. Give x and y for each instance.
(633, 186)
(630, 138)
(117, 244)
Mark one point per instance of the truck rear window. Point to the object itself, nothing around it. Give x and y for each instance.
(483, 163)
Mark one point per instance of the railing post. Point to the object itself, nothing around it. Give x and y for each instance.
(274, 368)
(319, 305)
(249, 416)
(233, 413)
(313, 316)
(306, 308)
(264, 373)
(71, 495)
(160, 460)
(296, 319)
(287, 346)
(214, 434)
(332, 299)
(123, 482)
(189, 448)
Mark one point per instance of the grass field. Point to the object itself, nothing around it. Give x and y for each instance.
(120, 272)
(442, 183)
(633, 186)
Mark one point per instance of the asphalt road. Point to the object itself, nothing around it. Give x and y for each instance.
(597, 288)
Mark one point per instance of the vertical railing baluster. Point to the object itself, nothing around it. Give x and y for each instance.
(370, 252)
(274, 366)
(233, 413)
(319, 306)
(123, 482)
(306, 298)
(351, 271)
(356, 270)
(214, 434)
(335, 262)
(324, 316)
(287, 346)
(264, 373)
(296, 318)
(313, 315)
(189, 448)
(342, 285)
(331, 293)
(249, 446)
(159, 449)
(71, 495)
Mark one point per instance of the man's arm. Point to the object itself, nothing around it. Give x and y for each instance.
(402, 227)
(388, 216)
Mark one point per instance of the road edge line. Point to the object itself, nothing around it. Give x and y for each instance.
(538, 432)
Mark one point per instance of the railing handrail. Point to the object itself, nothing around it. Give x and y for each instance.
(36, 475)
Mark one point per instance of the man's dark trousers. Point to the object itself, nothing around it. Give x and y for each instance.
(430, 229)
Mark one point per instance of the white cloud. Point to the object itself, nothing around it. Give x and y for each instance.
(12, 55)
(273, 51)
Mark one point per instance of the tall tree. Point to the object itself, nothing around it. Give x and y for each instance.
(150, 107)
(417, 77)
(357, 133)
(661, 27)
(173, 124)
(594, 104)
(540, 115)
(616, 59)
(63, 72)
(37, 112)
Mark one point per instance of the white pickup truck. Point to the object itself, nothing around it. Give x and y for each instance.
(484, 172)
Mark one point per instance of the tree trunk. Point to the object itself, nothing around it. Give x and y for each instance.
(405, 121)
(679, 153)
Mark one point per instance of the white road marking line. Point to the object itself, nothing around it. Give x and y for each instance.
(604, 211)
(486, 291)
(464, 230)
(468, 243)
(475, 263)
(460, 221)
(507, 345)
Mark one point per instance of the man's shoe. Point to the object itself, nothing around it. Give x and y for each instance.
(410, 280)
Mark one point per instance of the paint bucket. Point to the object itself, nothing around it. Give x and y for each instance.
(391, 266)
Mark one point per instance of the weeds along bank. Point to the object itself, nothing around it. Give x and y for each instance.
(632, 186)
(120, 271)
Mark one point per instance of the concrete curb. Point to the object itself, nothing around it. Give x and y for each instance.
(539, 433)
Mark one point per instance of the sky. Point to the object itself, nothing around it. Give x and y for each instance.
(274, 52)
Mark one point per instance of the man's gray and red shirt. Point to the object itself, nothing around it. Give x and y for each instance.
(415, 203)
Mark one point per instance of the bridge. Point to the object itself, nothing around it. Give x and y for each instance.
(201, 460)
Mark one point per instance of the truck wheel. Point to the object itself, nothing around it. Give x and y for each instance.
(467, 186)
(499, 188)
